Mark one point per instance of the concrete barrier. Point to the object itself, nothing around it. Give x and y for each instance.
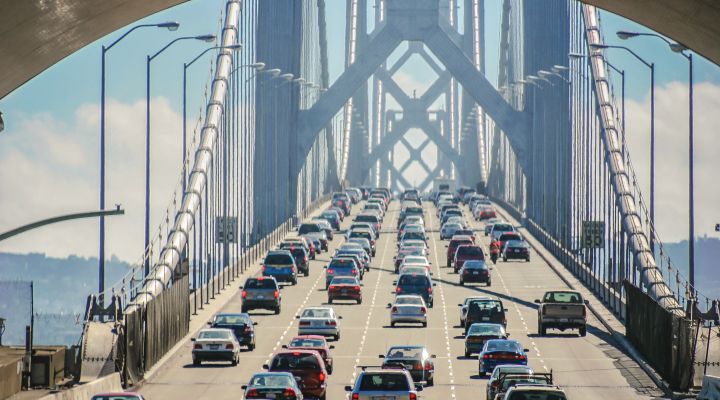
(710, 388)
(109, 383)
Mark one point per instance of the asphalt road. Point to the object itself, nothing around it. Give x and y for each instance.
(587, 368)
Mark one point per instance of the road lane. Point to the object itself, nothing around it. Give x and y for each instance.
(587, 367)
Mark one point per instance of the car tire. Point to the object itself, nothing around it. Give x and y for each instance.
(467, 353)
(337, 337)
(392, 324)
(448, 264)
(431, 381)
(504, 259)
(462, 283)
(277, 310)
(197, 363)
(431, 304)
(307, 272)
(542, 331)
(489, 283)
(251, 346)
(583, 331)
(313, 257)
(424, 324)
(243, 309)
(330, 370)
(324, 396)
(527, 259)
(234, 361)
(359, 301)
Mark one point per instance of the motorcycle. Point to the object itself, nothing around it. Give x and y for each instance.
(494, 255)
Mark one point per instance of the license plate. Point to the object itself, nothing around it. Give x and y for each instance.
(517, 250)
(271, 395)
(564, 320)
(475, 272)
(317, 323)
(260, 297)
(485, 318)
(343, 291)
(382, 397)
(214, 346)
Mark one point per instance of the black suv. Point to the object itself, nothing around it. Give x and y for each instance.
(241, 325)
(486, 311)
(262, 292)
(301, 259)
(417, 284)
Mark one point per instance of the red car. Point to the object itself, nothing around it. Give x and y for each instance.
(487, 213)
(467, 252)
(307, 365)
(466, 232)
(453, 245)
(313, 342)
(344, 288)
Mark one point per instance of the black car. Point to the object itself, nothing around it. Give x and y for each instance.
(301, 259)
(516, 250)
(475, 271)
(241, 325)
(486, 311)
(415, 359)
(418, 284)
(332, 218)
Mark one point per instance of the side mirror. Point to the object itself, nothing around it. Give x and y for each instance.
(434, 284)
(381, 356)
(260, 263)
(209, 323)
(243, 387)
(240, 287)
(325, 266)
(433, 356)
(587, 301)
(394, 283)
(339, 317)
(348, 388)
(526, 350)
(265, 366)
(284, 346)
(254, 323)
(192, 339)
(505, 309)
(419, 388)
(362, 284)
(446, 245)
(537, 301)
(297, 317)
(331, 347)
(389, 305)
(460, 305)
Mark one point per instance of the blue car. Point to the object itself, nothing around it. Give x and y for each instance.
(501, 351)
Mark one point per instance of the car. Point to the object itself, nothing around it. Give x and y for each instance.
(340, 212)
(479, 333)
(319, 321)
(507, 236)
(280, 264)
(332, 217)
(448, 230)
(305, 365)
(516, 249)
(272, 385)
(475, 271)
(261, 292)
(466, 232)
(452, 215)
(343, 204)
(464, 306)
(370, 218)
(356, 252)
(408, 309)
(301, 259)
(341, 266)
(416, 359)
(455, 242)
(241, 324)
(499, 228)
(363, 225)
(484, 213)
(406, 268)
(410, 227)
(317, 245)
(118, 396)
(522, 392)
(509, 380)
(416, 284)
(364, 243)
(489, 225)
(467, 252)
(366, 234)
(500, 351)
(345, 288)
(380, 383)
(327, 227)
(489, 311)
(213, 344)
(413, 235)
(405, 252)
(562, 309)
(375, 207)
(314, 342)
(492, 383)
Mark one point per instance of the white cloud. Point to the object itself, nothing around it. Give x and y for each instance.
(48, 168)
(671, 156)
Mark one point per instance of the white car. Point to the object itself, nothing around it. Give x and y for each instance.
(418, 269)
(414, 219)
(215, 344)
(319, 321)
(408, 308)
(448, 230)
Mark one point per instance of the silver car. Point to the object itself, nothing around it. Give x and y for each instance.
(215, 344)
(321, 321)
(377, 383)
(409, 309)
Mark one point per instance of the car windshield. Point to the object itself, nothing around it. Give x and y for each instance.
(309, 228)
(563, 297)
(295, 361)
(452, 226)
(502, 345)
(486, 330)
(405, 352)
(537, 395)
(316, 313)
(478, 305)
(342, 263)
(366, 218)
(343, 281)
(413, 280)
(455, 243)
(278, 259)
(329, 214)
(417, 300)
(260, 284)
(470, 251)
(232, 319)
(512, 380)
(515, 243)
(307, 343)
(475, 264)
(214, 335)
(416, 259)
(384, 381)
(503, 227)
(272, 380)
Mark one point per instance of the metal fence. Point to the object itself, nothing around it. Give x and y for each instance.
(16, 307)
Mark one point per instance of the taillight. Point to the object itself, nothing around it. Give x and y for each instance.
(356, 396)
(197, 346)
(466, 272)
(398, 289)
(244, 294)
(276, 294)
(520, 357)
(331, 323)
(413, 396)
(486, 357)
(304, 323)
(305, 259)
(321, 377)
(354, 272)
(356, 288)
(293, 269)
(418, 366)
(264, 268)
(428, 366)
(429, 290)
(248, 329)
(423, 310)
(393, 310)
(331, 271)
(288, 393)
(252, 393)
(229, 346)
(330, 288)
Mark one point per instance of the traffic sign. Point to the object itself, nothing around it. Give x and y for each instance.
(593, 234)
(226, 229)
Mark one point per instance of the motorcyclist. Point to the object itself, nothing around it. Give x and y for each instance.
(495, 249)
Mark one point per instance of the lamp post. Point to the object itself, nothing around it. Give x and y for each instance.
(652, 133)
(232, 47)
(678, 48)
(205, 38)
(171, 26)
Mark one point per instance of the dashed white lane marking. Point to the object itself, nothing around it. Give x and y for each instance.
(445, 318)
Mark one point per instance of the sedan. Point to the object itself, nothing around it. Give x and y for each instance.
(500, 351)
(273, 385)
(409, 309)
(314, 342)
(475, 271)
(493, 380)
(415, 359)
(345, 288)
(319, 321)
(448, 231)
(516, 249)
(479, 333)
(240, 324)
(118, 396)
(215, 344)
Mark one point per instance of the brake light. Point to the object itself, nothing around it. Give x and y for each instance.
(520, 357)
(466, 272)
(276, 294)
(293, 269)
(252, 393)
(331, 271)
(264, 268)
(398, 289)
(356, 396)
(305, 259)
(244, 294)
(393, 310)
(296, 353)
(197, 346)
(331, 323)
(428, 367)
(354, 272)
(229, 346)
(487, 356)
(288, 393)
(248, 329)
(418, 366)
(423, 310)
(331, 288)
(356, 288)
(321, 377)
(304, 323)
(429, 290)
(413, 396)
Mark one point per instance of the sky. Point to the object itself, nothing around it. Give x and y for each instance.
(49, 150)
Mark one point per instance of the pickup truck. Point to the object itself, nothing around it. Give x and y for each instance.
(562, 309)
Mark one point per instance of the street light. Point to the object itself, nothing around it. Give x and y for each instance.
(204, 38)
(171, 26)
(679, 48)
(232, 47)
(652, 131)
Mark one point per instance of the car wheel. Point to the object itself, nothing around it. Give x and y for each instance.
(196, 362)
(277, 310)
(462, 283)
(337, 337)
(243, 309)
(431, 304)
(330, 300)
(313, 257)
(431, 382)
(330, 369)
(527, 259)
(324, 396)
(251, 346)
(467, 353)
(542, 331)
(359, 301)
(424, 324)
(392, 324)
(307, 272)
(504, 259)
(448, 264)
(234, 361)
(489, 283)
(583, 331)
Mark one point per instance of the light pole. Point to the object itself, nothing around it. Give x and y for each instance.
(172, 26)
(678, 48)
(652, 133)
(205, 38)
(232, 47)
